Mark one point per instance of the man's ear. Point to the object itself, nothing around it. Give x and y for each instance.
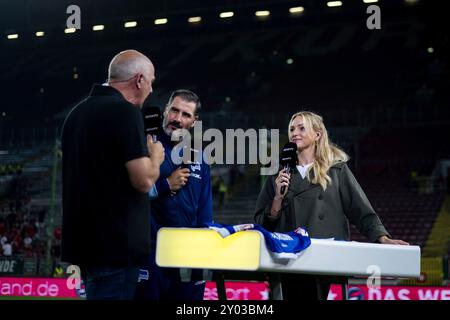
(193, 123)
(139, 81)
(166, 110)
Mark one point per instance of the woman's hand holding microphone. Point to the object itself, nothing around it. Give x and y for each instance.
(281, 186)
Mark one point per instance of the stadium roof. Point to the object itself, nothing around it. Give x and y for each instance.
(21, 15)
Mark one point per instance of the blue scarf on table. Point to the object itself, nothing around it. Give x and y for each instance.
(285, 245)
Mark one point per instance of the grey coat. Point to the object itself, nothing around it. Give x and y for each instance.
(325, 214)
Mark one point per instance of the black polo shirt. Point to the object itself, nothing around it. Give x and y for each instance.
(105, 219)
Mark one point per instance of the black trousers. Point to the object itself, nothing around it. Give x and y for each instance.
(299, 287)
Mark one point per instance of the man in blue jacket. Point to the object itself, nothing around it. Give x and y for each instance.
(182, 197)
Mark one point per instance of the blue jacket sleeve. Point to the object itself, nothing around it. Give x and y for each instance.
(204, 212)
(153, 193)
(163, 187)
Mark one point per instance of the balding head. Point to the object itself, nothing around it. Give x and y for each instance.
(127, 64)
(132, 73)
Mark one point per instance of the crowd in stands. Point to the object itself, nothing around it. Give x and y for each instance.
(22, 230)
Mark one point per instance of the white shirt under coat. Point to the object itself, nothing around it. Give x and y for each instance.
(304, 169)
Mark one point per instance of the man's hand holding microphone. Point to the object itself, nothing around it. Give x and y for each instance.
(178, 179)
(155, 150)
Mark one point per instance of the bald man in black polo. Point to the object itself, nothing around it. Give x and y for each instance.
(108, 168)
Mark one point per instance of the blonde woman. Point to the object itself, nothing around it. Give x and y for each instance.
(321, 194)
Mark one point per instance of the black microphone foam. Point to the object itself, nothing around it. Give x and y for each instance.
(152, 121)
(288, 159)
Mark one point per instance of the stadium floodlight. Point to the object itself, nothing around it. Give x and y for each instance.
(227, 14)
(194, 19)
(40, 33)
(70, 30)
(296, 10)
(334, 4)
(98, 27)
(130, 24)
(262, 13)
(12, 36)
(161, 21)
(370, 1)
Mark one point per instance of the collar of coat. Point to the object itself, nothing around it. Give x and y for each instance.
(299, 185)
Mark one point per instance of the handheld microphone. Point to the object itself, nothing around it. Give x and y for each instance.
(152, 121)
(288, 159)
(191, 157)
